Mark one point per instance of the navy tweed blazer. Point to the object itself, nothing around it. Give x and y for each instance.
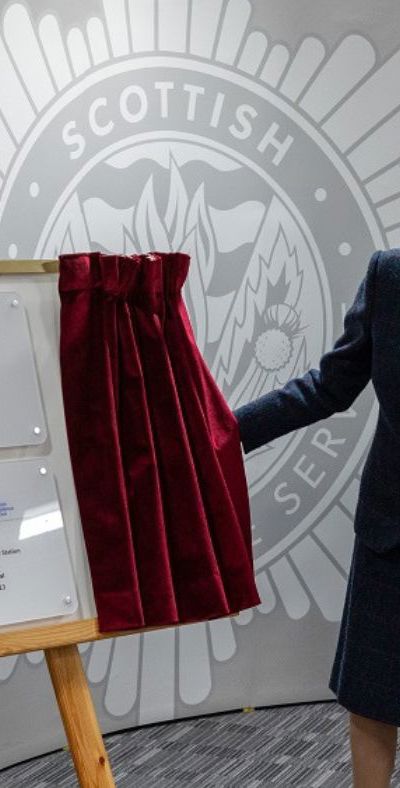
(368, 349)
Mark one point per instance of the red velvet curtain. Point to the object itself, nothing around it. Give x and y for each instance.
(155, 449)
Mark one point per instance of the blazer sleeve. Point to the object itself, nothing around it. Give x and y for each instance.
(343, 372)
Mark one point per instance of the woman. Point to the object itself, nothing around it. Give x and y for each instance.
(365, 674)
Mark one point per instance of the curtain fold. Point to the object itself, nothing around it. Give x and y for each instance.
(155, 449)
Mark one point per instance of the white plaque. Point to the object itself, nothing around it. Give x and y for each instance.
(22, 420)
(36, 578)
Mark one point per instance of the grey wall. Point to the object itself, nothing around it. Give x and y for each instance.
(280, 229)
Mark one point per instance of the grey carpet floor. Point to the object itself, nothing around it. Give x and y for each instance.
(304, 745)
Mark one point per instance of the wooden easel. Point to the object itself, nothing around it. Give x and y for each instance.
(60, 645)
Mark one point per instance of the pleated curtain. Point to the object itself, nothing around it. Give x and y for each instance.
(155, 449)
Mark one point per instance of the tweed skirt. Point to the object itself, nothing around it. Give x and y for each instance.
(365, 675)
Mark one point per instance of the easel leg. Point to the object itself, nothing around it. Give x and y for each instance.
(79, 717)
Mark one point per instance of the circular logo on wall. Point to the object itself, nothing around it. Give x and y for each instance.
(193, 132)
